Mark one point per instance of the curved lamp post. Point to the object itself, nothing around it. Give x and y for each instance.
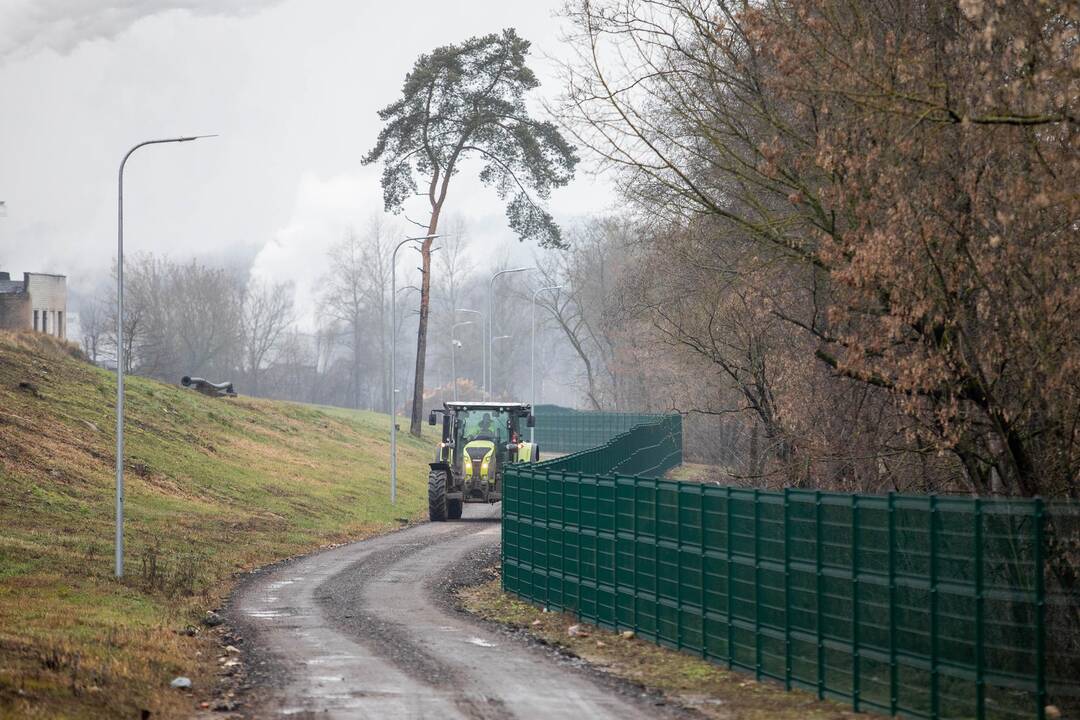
(120, 343)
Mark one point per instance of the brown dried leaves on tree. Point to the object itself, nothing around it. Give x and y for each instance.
(899, 181)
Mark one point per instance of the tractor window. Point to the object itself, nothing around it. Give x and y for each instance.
(484, 425)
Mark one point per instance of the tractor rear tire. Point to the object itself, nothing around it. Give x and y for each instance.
(436, 495)
(453, 509)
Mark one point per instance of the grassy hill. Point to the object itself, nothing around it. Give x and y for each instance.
(214, 487)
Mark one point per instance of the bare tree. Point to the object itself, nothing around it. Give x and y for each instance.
(589, 271)
(291, 374)
(346, 299)
(356, 293)
(267, 314)
(901, 170)
(203, 306)
(142, 274)
(181, 318)
(94, 326)
(378, 246)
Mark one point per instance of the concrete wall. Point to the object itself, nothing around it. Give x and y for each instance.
(15, 311)
(48, 298)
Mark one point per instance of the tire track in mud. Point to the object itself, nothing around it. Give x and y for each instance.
(364, 631)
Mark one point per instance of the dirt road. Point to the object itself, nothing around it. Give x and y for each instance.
(364, 631)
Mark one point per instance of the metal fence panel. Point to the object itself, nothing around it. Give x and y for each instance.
(565, 430)
(919, 606)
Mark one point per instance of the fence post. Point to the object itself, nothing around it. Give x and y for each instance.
(614, 551)
(894, 679)
(514, 502)
(818, 597)
(537, 480)
(701, 559)
(678, 568)
(1040, 612)
(502, 544)
(855, 663)
(577, 544)
(656, 551)
(980, 680)
(547, 538)
(730, 604)
(935, 695)
(787, 589)
(757, 585)
(633, 574)
(562, 511)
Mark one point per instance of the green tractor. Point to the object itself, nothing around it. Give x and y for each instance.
(478, 440)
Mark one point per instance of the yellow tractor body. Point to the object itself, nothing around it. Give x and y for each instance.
(478, 440)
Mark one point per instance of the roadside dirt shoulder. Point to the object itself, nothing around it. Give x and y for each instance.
(671, 678)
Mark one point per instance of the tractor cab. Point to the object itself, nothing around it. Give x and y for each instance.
(478, 440)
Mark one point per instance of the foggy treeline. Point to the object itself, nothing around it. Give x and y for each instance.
(183, 317)
(860, 280)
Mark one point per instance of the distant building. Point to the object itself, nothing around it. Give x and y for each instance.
(37, 302)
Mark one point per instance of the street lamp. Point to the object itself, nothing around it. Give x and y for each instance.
(393, 362)
(453, 348)
(491, 323)
(532, 352)
(491, 356)
(120, 344)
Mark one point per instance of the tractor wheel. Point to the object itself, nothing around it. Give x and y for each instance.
(453, 509)
(436, 495)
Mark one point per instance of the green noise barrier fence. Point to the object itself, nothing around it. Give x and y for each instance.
(560, 429)
(919, 606)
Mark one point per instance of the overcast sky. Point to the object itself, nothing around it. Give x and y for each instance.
(292, 86)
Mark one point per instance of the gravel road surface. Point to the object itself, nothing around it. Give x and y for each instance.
(364, 631)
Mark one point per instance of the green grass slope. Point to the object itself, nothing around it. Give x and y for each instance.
(214, 487)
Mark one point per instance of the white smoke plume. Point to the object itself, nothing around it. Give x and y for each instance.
(27, 26)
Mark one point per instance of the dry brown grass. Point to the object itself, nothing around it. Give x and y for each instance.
(214, 488)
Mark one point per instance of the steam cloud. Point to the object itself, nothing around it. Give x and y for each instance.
(27, 26)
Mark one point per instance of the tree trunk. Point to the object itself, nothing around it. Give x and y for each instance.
(421, 333)
(440, 182)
